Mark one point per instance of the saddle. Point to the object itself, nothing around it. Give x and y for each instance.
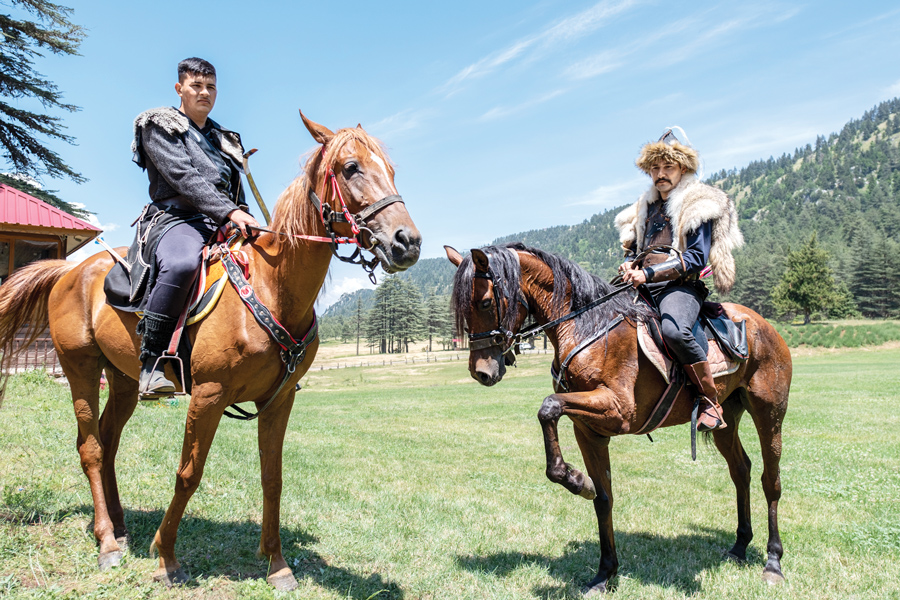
(723, 340)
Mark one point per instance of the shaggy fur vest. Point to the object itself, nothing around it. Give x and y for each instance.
(689, 205)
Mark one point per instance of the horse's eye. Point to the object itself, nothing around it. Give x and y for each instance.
(486, 304)
(350, 168)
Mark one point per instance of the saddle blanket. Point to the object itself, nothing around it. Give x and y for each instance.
(719, 363)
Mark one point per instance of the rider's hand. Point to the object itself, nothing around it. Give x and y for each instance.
(625, 266)
(635, 277)
(243, 220)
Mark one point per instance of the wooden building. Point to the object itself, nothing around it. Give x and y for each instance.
(31, 230)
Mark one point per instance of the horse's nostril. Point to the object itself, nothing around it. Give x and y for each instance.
(401, 237)
(484, 377)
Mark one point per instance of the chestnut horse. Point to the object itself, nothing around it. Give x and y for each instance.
(234, 359)
(612, 386)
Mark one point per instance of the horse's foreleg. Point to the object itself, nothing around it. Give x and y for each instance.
(595, 406)
(84, 380)
(272, 425)
(119, 408)
(199, 430)
(595, 451)
(728, 442)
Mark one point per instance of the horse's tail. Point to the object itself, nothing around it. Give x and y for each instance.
(24, 307)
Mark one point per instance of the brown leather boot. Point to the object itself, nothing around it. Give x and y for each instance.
(710, 416)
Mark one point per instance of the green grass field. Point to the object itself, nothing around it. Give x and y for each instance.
(416, 482)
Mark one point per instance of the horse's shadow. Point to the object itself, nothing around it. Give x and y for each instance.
(659, 560)
(223, 548)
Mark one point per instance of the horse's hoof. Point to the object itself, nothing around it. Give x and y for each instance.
(283, 580)
(773, 576)
(592, 591)
(731, 556)
(170, 578)
(108, 560)
(588, 491)
(124, 542)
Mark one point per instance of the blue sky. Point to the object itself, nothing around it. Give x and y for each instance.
(500, 116)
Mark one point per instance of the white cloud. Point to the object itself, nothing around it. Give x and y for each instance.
(401, 122)
(332, 290)
(544, 42)
(614, 194)
(894, 90)
(504, 111)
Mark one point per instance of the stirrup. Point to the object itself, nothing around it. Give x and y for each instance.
(149, 396)
(719, 417)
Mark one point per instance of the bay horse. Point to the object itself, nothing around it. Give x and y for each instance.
(612, 387)
(234, 359)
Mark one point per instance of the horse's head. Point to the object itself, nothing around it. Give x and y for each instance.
(354, 177)
(489, 305)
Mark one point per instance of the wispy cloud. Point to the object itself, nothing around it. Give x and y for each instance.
(542, 43)
(894, 90)
(614, 194)
(504, 111)
(401, 122)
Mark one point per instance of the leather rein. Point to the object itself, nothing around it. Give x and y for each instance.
(509, 340)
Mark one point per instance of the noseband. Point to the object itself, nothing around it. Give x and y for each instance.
(358, 223)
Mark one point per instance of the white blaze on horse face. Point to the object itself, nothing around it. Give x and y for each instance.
(377, 160)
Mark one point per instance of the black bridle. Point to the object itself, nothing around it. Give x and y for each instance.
(508, 340)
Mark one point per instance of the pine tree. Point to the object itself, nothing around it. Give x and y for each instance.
(438, 321)
(44, 27)
(807, 284)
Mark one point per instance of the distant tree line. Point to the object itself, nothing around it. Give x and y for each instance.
(399, 316)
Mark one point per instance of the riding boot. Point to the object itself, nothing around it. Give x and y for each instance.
(710, 416)
(156, 332)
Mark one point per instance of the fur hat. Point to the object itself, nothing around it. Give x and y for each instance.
(668, 149)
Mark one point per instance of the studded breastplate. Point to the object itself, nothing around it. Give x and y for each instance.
(657, 231)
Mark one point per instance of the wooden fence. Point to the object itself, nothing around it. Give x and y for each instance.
(39, 355)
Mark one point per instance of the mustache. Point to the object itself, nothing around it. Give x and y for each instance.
(661, 179)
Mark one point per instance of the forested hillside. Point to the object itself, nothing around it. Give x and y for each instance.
(845, 188)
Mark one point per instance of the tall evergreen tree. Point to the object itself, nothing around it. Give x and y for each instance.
(807, 284)
(43, 27)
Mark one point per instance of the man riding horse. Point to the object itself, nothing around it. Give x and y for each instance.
(692, 223)
(194, 166)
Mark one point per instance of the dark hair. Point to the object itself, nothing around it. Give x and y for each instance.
(195, 66)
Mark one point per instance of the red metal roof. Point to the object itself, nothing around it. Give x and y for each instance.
(19, 208)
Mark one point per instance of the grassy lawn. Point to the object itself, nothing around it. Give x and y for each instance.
(416, 482)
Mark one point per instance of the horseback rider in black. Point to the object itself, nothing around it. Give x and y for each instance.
(194, 166)
(700, 222)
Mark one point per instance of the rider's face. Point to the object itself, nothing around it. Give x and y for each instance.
(666, 176)
(198, 96)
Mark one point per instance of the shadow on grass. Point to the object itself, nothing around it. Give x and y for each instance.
(672, 562)
(208, 548)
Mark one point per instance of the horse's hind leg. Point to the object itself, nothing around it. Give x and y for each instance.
(83, 373)
(123, 397)
(768, 414)
(728, 442)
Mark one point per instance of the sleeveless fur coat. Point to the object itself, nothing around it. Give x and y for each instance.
(689, 205)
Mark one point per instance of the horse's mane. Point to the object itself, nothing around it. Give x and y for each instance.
(566, 275)
(294, 213)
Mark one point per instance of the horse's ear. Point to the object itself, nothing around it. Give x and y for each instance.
(320, 133)
(481, 260)
(454, 256)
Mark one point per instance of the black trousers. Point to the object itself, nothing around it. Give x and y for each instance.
(680, 306)
(178, 257)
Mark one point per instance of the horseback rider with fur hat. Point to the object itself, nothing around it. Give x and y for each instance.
(194, 166)
(700, 222)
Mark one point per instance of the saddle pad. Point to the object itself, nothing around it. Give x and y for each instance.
(718, 362)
